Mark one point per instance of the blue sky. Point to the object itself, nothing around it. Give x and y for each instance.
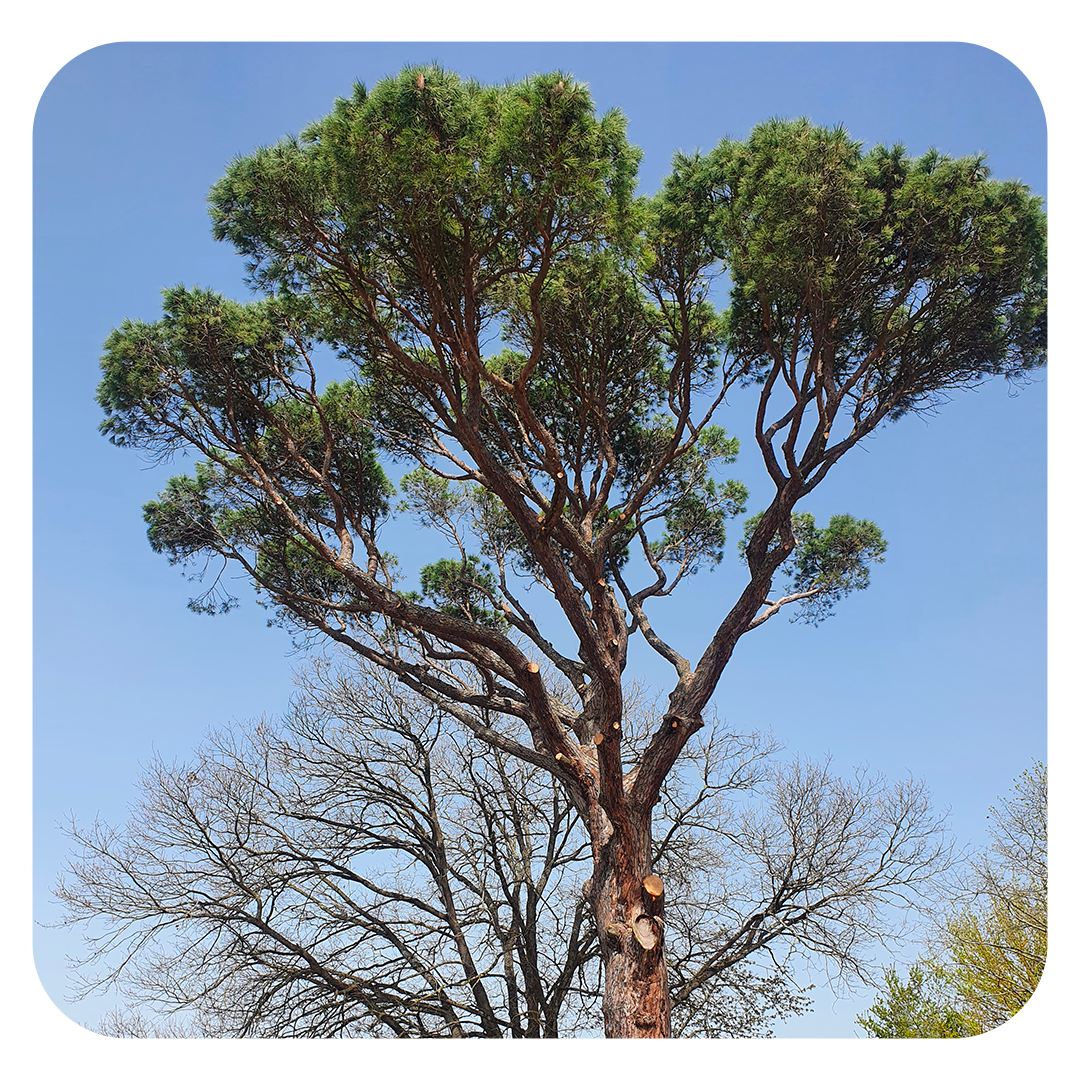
(938, 670)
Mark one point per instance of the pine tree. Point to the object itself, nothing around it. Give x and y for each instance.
(416, 224)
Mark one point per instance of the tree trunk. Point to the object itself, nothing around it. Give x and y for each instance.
(627, 900)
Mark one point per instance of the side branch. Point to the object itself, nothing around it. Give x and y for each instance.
(775, 605)
(641, 622)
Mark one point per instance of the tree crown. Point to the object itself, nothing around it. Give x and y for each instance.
(417, 225)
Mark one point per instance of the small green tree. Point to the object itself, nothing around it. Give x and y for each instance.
(416, 224)
(921, 1008)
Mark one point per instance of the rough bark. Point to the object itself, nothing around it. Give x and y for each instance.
(630, 919)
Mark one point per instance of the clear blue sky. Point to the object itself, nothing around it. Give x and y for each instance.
(938, 670)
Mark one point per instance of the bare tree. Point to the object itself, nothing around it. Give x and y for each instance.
(1015, 866)
(364, 869)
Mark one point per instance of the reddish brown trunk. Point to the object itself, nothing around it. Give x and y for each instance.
(629, 915)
